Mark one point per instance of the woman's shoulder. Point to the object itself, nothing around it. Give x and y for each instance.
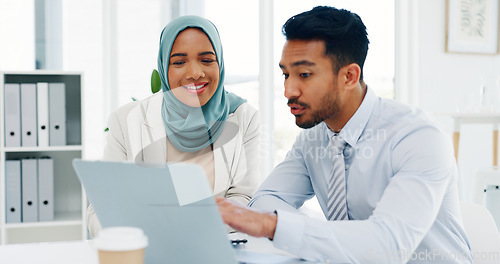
(245, 109)
(138, 111)
(127, 108)
(245, 115)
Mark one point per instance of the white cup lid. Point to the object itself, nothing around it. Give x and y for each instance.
(120, 238)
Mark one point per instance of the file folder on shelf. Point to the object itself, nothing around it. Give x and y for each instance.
(46, 189)
(28, 115)
(42, 98)
(12, 113)
(13, 191)
(29, 183)
(57, 114)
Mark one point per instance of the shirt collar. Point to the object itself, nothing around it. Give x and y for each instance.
(357, 123)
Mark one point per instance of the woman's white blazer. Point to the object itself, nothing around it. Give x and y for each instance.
(137, 133)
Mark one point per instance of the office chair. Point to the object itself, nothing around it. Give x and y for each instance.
(482, 232)
(483, 178)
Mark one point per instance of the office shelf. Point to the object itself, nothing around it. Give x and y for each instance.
(69, 198)
(60, 219)
(43, 149)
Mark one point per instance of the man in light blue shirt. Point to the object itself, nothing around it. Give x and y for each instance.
(400, 180)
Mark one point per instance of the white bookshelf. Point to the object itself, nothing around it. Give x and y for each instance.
(69, 198)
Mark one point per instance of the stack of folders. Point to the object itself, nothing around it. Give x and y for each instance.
(29, 190)
(35, 114)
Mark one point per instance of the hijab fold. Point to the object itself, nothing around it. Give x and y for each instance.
(193, 128)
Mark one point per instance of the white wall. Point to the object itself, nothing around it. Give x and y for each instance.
(449, 82)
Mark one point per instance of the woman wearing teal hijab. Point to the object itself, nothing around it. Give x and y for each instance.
(193, 119)
(190, 129)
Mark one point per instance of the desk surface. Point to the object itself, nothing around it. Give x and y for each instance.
(256, 250)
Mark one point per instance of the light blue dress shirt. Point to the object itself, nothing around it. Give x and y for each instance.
(401, 184)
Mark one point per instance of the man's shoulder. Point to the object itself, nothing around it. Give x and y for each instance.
(402, 119)
(400, 113)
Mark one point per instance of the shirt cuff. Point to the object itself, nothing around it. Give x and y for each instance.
(289, 232)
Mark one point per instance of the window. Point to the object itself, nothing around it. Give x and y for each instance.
(240, 41)
(17, 28)
(139, 28)
(118, 42)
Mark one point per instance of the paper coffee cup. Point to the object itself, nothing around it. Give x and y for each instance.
(124, 245)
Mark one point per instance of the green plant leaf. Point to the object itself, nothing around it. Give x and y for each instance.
(155, 81)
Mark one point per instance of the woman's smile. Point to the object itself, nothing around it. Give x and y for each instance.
(196, 88)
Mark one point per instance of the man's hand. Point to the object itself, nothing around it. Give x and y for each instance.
(247, 220)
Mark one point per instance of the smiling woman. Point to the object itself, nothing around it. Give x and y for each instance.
(193, 73)
(193, 119)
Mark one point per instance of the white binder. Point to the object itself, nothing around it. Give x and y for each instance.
(12, 112)
(57, 114)
(29, 183)
(13, 191)
(46, 189)
(42, 97)
(28, 115)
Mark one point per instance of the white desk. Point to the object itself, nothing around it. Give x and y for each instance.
(258, 250)
(77, 252)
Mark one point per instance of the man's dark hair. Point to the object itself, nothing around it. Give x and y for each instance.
(344, 33)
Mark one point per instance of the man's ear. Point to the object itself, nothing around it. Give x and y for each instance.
(351, 74)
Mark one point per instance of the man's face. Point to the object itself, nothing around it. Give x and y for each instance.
(310, 82)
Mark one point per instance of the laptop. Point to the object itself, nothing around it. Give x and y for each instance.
(172, 203)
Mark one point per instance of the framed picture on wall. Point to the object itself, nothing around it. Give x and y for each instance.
(472, 26)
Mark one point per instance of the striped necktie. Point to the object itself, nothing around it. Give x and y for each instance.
(337, 204)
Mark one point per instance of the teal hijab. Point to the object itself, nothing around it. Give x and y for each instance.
(193, 128)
